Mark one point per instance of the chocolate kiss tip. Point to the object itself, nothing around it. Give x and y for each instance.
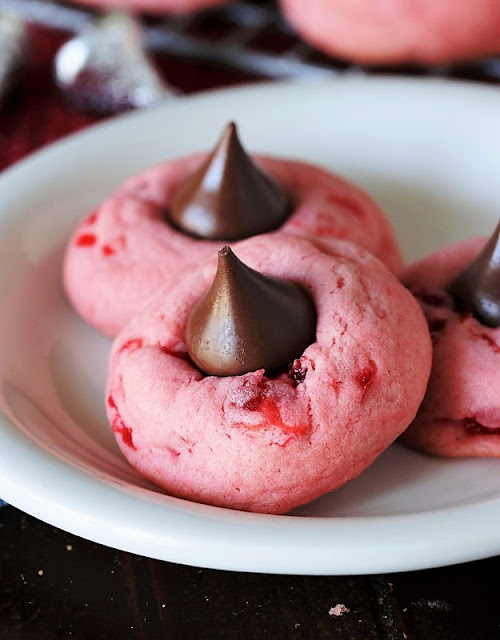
(477, 287)
(248, 321)
(228, 197)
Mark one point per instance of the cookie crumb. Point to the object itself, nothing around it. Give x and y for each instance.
(40, 572)
(338, 610)
(69, 547)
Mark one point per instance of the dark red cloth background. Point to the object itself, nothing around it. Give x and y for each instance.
(56, 585)
(34, 114)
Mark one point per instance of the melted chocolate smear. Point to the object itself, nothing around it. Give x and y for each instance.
(248, 321)
(477, 288)
(229, 197)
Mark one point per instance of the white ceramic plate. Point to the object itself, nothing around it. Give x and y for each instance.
(427, 150)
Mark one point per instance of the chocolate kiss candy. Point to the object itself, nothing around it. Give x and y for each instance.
(248, 321)
(229, 197)
(477, 288)
(105, 68)
(13, 49)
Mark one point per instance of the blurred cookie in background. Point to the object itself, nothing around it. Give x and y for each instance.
(157, 6)
(396, 31)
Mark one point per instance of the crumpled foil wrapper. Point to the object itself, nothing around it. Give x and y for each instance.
(105, 69)
(13, 51)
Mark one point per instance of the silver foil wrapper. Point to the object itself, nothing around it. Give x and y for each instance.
(13, 51)
(105, 68)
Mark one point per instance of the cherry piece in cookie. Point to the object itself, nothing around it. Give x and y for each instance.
(248, 321)
(262, 440)
(458, 289)
(228, 197)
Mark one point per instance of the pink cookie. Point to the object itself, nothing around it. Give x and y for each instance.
(271, 444)
(393, 31)
(125, 251)
(156, 6)
(460, 415)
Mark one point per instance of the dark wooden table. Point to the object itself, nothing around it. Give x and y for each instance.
(56, 585)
